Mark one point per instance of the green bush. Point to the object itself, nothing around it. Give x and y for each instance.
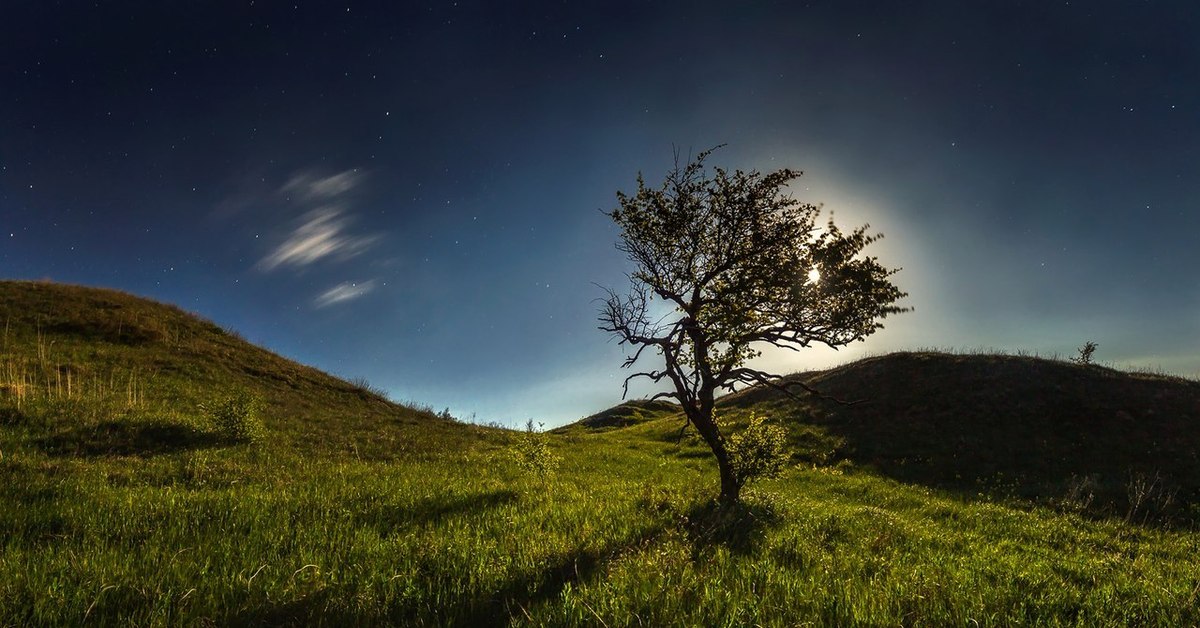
(758, 451)
(532, 452)
(235, 417)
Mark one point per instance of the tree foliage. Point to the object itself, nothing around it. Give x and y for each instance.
(725, 264)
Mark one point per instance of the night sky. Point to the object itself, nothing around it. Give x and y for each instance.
(413, 194)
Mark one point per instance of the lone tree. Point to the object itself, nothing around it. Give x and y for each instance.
(736, 265)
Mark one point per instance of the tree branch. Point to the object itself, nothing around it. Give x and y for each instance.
(748, 375)
(654, 376)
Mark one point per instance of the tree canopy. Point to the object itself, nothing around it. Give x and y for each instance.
(725, 265)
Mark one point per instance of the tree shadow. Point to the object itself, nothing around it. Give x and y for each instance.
(387, 519)
(517, 597)
(511, 600)
(120, 438)
(739, 527)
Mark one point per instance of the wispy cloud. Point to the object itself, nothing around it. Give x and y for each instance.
(320, 234)
(344, 292)
(308, 186)
(325, 233)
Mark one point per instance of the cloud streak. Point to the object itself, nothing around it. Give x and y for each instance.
(310, 187)
(344, 291)
(320, 234)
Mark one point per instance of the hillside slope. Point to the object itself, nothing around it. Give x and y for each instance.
(624, 414)
(129, 375)
(1086, 437)
(1024, 426)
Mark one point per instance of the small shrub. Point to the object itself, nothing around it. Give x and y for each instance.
(235, 417)
(531, 451)
(1085, 353)
(758, 451)
(1080, 493)
(1150, 498)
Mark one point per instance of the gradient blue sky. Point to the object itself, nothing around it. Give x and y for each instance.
(412, 194)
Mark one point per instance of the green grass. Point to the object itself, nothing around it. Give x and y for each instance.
(122, 509)
(619, 534)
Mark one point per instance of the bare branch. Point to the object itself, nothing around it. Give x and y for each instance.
(774, 382)
(654, 376)
(665, 395)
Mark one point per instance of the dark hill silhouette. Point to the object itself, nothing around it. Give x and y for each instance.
(1030, 427)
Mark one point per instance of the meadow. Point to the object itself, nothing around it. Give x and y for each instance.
(125, 503)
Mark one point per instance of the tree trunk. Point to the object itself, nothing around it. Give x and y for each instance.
(731, 489)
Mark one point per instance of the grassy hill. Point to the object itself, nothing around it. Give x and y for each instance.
(1108, 441)
(625, 414)
(941, 500)
(1082, 437)
(131, 372)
